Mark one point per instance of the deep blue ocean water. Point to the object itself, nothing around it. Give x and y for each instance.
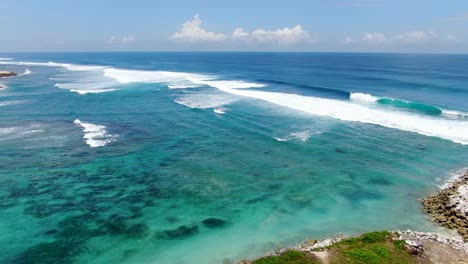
(216, 157)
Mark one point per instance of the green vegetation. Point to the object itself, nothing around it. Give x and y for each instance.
(370, 248)
(289, 257)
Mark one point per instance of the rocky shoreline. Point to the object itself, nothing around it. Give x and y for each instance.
(425, 247)
(449, 206)
(4, 74)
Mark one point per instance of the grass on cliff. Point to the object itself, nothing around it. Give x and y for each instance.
(370, 248)
(289, 257)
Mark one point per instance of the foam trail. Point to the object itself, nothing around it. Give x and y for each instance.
(130, 76)
(454, 130)
(452, 114)
(182, 86)
(68, 66)
(95, 135)
(26, 72)
(231, 84)
(92, 91)
(13, 102)
(220, 110)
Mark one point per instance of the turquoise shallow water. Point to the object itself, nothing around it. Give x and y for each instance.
(215, 157)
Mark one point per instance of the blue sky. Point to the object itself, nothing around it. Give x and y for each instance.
(209, 25)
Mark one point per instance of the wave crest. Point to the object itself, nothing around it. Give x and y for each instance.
(95, 135)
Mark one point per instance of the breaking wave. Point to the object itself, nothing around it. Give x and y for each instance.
(454, 130)
(95, 135)
(407, 105)
(419, 118)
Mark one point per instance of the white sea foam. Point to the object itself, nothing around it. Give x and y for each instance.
(205, 101)
(454, 114)
(68, 66)
(454, 130)
(26, 72)
(298, 136)
(221, 84)
(4, 59)
(362, 97)
(130, 76)
(13, 102)
(182, 86)
(15, 132)
(91, 91)
(220, 110)
(95, 135)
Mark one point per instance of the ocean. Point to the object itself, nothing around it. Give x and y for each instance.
(217, 157)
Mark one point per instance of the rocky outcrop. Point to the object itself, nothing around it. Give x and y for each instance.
(449, 207)
(4, 74)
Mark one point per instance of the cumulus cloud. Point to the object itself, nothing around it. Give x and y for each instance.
(193, 32)
(284, 36)
(374, 37)
(410, 37)
(122, 40)
(417, 36)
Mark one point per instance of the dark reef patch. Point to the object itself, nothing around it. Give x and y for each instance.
(57, 252)
(138, 231)
(182, 231)
(214, 222)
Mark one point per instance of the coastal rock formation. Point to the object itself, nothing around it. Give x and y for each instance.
(7, 74)
(449, 207)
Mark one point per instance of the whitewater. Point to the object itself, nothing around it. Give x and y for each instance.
(455, 130)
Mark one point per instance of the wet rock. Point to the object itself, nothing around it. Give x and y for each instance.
(214, 222)
(449, 207)
(182, 231)
(4, 74)
(413, 247)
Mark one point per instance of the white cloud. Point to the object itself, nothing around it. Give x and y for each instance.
(416, 36)
(285, 36)
(122, 40)
(411, 37)
(239, 33)
(193, 32)
(348, 40)
(374, 37)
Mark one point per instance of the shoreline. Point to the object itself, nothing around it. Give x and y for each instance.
(421, 247)
(447, 207)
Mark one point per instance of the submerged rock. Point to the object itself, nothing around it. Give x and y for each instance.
(214, 222)
(178, 233)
